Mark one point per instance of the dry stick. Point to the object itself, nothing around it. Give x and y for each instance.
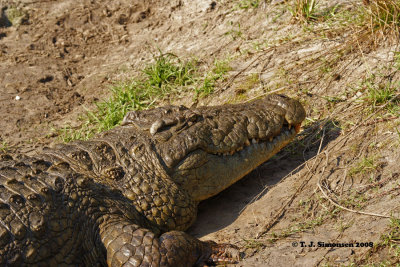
(340, 206)
(266, 187)
(230, 82)
(319, 150)
(267, 93)
(274, 220)
(344, 180)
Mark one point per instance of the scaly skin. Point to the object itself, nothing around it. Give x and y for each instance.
(125, 197)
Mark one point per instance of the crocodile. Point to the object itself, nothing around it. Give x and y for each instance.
(125, 197)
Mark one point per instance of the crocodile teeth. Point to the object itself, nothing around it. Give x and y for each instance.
(247, 142)
(290, 126)
(297, 128)
(239, 149)
(226, 154)
(254, 141)
(271, 138)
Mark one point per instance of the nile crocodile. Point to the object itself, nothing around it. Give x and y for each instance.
(125, 197)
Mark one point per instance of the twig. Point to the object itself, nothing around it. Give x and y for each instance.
(230, 82)
(344, 180)
(267, 93)
(281, 211)
(342, 207)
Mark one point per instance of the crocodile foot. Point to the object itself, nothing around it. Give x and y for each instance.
(222, 254)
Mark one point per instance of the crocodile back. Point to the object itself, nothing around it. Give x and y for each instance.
(36, 220)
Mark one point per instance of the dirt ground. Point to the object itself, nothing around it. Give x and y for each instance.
(60, 57)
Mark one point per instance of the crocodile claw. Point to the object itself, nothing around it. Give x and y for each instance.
(222, 254)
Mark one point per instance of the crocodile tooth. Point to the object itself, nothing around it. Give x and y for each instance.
(239, 148)
(271, 138)
(247, 142)
(232, 152)
(254, 141)
(290, 126)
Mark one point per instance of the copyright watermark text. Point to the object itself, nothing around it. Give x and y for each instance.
(320, 244)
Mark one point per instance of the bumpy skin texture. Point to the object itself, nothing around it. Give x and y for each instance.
(125, 197)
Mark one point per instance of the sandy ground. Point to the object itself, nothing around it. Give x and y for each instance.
(62, 56)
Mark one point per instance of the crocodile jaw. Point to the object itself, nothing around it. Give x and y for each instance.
(204, 175)
(206, 149)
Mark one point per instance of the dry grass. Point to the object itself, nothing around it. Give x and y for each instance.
(383, 15)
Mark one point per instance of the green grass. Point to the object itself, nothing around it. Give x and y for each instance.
(354, 200)
(209, 82)
(381, 93)
(304, 10)
(392, 239)
(375, 16)
(246, 4)
(235, 32)
(298, 228)
(365, 165)
(16, 15)
(4, 147)
(253, 244)
(376, 21)
(166, 77)
(168, 72)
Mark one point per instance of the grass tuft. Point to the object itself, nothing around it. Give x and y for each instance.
(16, 16)
(379, 20)
(392, 239)
(365, 165)
(379, 93)
(217, 73)
(169, 72)
(383, 14)
(304, 10)
(166, 77)
(4, 147)
(247, 4)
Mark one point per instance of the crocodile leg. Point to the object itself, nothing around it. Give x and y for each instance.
(128, 244)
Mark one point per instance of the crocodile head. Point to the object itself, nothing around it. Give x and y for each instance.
(207, 149)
